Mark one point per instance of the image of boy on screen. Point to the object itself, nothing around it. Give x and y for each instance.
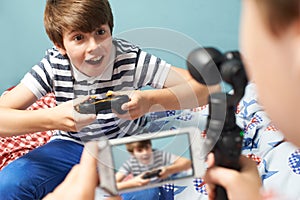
(148, 165)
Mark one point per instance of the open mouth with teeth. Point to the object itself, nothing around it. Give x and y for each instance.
(94, 61)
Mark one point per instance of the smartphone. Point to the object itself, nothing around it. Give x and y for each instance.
(168, 148)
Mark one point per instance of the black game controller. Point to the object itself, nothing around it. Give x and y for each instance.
(151, 174)
(93, 105)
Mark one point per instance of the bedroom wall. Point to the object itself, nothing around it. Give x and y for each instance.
(168, 28)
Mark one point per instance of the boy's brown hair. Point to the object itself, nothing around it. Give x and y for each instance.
(140, 144)
(75, 15)
(279, 14)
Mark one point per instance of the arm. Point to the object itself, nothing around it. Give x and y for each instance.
(184, 91)
(15, 120)
(120, 177)
(181, 164)
(129, 183)
(136, 181)
(180, 91)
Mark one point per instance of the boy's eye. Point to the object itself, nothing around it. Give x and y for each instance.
(78, 37)
(100, 32)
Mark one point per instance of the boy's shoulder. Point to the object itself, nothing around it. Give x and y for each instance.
(55, 58)
(157, 152)
(124, 46)
(53, 52)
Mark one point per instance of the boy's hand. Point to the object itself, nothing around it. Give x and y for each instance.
(66, 118)
(138, 181)
(164, 173)
(244, 184)
(138, 105)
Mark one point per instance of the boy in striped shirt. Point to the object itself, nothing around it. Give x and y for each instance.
(145, 159)
(85, 60)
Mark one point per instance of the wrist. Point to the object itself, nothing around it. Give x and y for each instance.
(169, 170)
(46, 119)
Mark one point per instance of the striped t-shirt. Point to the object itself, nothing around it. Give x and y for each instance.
(160, 159)
(132, 69)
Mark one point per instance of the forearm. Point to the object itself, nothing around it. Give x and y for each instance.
(62, 117)
(181, 164)
(124, 185)
(131, 183)
(17, 122)
(183, 96)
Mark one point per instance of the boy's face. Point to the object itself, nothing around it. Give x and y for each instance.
(88, 52)
(143, 155)
(273, 63)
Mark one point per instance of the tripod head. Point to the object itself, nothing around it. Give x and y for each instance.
(209, 67)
